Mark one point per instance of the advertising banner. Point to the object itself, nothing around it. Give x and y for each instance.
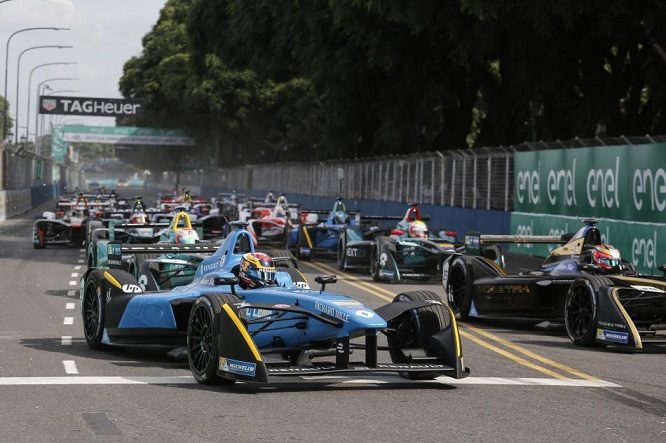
(610, 182)
(640, 243)
(91, 106)
(126, 135)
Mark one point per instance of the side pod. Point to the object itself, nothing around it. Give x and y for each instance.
(239, 356)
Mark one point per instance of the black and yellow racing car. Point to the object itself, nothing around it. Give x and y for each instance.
(584, 283)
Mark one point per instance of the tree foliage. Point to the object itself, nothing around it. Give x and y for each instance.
(8, 119)
(265, 80)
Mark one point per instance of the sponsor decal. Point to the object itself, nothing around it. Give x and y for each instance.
(340, 348)
(364, 314)
(385, 273)
(347, 303)
(282, 306)
(644, 251)
(254, 313)
(505, 289)
(103, 107)
(332, 312)
(210, 267)
(131, 289)
(355, 252)
(302, 285)
(613, 336)
(305, 251)
(239, 367)
(108, 295)
(606, 324)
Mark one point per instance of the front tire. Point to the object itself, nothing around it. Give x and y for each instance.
(93, 311)
(414, 329)
(342, 254)
(202, 338)
(459, 289)
(580, 309)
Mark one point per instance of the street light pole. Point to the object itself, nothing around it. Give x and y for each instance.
(30, 87)
(39, 87)
(4, 113)
(18, 77)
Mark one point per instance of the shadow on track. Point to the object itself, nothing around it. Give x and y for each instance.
(122, 356)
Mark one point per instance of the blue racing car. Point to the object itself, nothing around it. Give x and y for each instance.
(236, 330)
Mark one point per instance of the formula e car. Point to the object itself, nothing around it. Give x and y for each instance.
(583, 283)
(283, 329)
(311, 238)
(65, 226)
(270, 225)
(410, 251)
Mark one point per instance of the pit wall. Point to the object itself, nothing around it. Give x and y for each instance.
(461, 220)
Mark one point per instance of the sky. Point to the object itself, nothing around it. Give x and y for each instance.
(104, 35)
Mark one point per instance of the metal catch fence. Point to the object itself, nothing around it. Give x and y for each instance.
(477, 178)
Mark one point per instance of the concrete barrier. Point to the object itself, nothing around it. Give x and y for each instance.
(14, 202)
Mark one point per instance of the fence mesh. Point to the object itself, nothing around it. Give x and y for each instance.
(478, 178)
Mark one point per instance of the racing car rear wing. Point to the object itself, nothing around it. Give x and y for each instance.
(116, 249)
(474, 241)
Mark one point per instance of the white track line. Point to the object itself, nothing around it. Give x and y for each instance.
(69, 305)
(186, 380)
(80, 260)
(77, 267)
(72, 282)
(71, 293)
(66, 340)
(82, 250)
(68, 321)
(74, 274)
(70, 367)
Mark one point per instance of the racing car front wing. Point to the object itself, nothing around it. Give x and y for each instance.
(240, 358)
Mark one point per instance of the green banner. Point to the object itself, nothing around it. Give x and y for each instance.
(638, 242)
(610, 182)
(58, 145)
(126, 135)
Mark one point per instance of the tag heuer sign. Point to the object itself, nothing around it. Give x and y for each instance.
(100, 107)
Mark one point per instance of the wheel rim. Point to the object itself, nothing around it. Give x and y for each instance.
(200, 343)
(91, 308)
(457, 287)
(580, 311)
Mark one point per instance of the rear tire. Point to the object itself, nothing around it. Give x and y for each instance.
(413, 329)
(202, 338)
(580, 309)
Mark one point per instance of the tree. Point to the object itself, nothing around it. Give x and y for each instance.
(8, 122)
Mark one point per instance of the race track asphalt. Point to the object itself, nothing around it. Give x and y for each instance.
(527, 384)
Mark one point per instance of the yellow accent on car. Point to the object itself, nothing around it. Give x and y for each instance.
(307, 237)
(627, 319)
(250, 343)
(455, 331)
(111, 279)
(187, 223)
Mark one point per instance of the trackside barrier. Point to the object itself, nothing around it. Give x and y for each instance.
(441, 217)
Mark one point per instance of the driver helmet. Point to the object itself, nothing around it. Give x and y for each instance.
(340, 217)
(256, 270)
(139, 218)
(186, 236)
(606, 256)
(418, 229)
